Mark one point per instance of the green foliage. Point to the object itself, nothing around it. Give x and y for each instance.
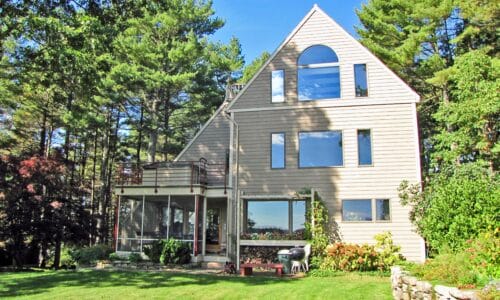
(90, 255)
(484, 254)
(250, 70)
(473, 115)
(114, 256)
(134, 257)
(154, 250)
(175, 252)
(474, 266)
(352, 257)
(319, 233)
(388, 253)
(458, 204)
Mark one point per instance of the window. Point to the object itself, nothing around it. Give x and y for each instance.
(360, 81)
(357, 210)
(277, 151)
(275, 216)
(361, 210)
(364, 147)
(383, 210)
(278, 86)
(318, 74)
(320, 149)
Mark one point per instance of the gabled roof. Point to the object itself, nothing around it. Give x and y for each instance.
(227, 105)
(314, 9)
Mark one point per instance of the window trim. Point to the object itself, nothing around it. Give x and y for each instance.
(371, 148)
(367, 81)
(373, 203)
(271, 85)
(318, 131)
(290, 211)
(271, 150)
(319, 66)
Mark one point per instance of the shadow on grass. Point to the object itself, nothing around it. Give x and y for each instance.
(24, 284)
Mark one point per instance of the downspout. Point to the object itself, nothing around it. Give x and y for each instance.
(236, 194)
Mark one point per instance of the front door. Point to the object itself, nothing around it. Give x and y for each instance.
(216, 227)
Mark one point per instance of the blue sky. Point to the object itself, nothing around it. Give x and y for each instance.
(261, 25)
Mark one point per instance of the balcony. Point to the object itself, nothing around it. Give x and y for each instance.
(172, 174)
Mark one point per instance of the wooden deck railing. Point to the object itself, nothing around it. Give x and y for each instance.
(181, 173)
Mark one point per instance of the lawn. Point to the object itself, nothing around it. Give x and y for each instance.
(164, 285)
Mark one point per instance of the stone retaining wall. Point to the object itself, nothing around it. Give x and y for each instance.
(406, 287)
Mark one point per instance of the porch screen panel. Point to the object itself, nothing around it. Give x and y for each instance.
(129, 228)
(182, 219)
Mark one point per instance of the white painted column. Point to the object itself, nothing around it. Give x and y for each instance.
(204, 241)
(118, 222)
(142, 219)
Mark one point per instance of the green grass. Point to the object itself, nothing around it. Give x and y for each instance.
(165, 285)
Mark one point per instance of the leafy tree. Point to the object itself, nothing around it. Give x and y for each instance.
(250, 70)
(473, 115)
(461, 203)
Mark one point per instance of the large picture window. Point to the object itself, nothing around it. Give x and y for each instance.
(320, 149)
(277, 150)
(275, 216)
(318, 74)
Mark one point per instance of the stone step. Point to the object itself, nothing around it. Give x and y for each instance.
(213, 265)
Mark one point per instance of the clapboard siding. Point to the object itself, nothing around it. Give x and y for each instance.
(319, 29)
(393, 152)
(212, 143)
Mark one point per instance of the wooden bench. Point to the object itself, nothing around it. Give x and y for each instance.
(247, 269)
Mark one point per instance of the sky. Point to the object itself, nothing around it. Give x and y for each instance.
(261, 25)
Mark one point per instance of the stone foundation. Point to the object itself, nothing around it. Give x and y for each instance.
(407, 287)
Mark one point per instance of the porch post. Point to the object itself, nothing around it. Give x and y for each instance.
(312, 209)
(142, 219)
(168, 217)
(117, 229)
(204, 233)
(196, 212)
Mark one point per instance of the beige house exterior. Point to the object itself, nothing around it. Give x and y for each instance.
(237, 175)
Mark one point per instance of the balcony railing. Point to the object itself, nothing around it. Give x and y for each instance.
(172, 174)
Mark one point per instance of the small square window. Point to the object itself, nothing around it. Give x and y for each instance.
(383, 210)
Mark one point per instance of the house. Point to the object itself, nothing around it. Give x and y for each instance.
(322, 113)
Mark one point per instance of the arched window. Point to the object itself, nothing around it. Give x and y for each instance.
(318, 74)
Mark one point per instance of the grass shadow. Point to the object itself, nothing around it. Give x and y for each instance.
(26, 284)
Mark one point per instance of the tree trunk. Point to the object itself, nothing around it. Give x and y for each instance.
(43, 134)
(57, 254)
(153, 132)
(139, 138)
(104, 171)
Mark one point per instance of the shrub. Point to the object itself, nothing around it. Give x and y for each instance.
(484, 254)
(448, 268)
(458, 203)
(353, 257)
(90, 255)
(175, 252)
(154, 250)
(114, 257)
(135, 257)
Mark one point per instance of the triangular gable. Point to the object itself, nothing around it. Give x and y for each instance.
(334, 24)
